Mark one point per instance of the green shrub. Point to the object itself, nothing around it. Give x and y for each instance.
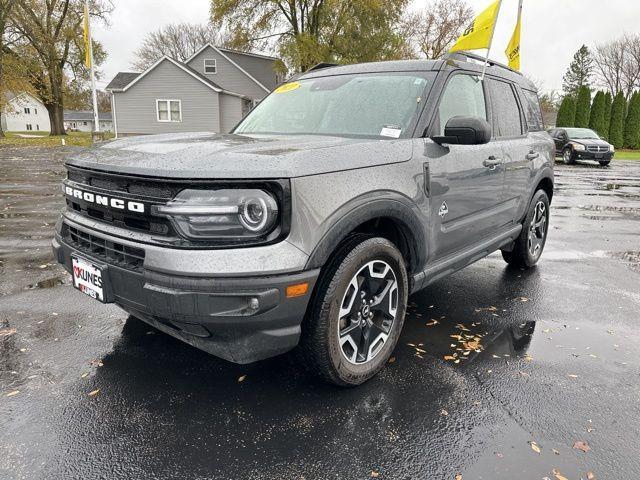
(583, 105)
(566, 113)
(608, 100)
(616, 127)
(597, 116)
(632, 123)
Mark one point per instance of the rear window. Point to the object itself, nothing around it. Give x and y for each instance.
(532, 111)
(506, 112)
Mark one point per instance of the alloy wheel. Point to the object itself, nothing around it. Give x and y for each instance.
(367, 312)
(537, 230)
(566, 156)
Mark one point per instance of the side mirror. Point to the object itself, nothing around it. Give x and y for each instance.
(465, 130)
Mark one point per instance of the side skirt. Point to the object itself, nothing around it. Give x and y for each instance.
(461, 259)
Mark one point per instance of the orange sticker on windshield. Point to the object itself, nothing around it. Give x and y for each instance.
(287, 87)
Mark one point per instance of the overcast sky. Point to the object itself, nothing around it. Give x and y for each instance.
(551, 33)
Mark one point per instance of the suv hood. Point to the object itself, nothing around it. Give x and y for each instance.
(207, 155)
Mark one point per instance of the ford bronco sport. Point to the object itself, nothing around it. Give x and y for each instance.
(340, 194)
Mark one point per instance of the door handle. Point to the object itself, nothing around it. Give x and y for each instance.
(492, 162)
(532, 155)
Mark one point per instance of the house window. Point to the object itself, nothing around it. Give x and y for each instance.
(29, 127)
(27, 110)
(37, 127)
(84, 123)
(169, 110)
(35, 111)
(210, 66)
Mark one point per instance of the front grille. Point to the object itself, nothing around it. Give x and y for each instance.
(597, 148)
(111, 253)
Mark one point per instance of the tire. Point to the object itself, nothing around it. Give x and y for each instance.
(524, 253)
(567, 157)
(345, 340)
(604, 163)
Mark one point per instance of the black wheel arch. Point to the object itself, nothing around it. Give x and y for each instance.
(395, 218)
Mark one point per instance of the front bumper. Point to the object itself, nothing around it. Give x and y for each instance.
(242, 319)
(587, 155)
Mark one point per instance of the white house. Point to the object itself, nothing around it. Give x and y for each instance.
(24, 113)
(82, 121)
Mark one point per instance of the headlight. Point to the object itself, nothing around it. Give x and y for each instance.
(612, 148)
(227, 214)
(578, 147)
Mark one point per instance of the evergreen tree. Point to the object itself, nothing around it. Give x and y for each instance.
(583, 104)
(597, 116)
(616, 128)
(608, 101)
(566, 113)
(579, 72)
(632, 124)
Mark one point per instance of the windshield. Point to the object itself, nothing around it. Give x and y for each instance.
(362, 105)
(581, 133)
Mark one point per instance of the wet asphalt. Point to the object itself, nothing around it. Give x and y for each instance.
(548, 356)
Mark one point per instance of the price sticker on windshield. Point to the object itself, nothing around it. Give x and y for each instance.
(287, 87)
(390, 131)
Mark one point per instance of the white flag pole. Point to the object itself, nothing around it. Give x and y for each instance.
(493, 30)
(96, 120)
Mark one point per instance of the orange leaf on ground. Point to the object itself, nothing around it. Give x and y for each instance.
(580, 445)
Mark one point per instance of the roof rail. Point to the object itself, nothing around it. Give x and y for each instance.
(468, 55)
(321, 65)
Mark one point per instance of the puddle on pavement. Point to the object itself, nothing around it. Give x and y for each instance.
(48, 283)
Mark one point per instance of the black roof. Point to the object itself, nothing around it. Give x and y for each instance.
(457, 61)
(121, 80)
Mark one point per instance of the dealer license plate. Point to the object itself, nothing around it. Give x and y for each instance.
(88, 278)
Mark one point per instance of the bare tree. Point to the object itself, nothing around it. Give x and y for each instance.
(51, 45)
(178, 41)
(618, 64)
(433, 29)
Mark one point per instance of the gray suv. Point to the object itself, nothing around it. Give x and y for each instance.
(343, 192)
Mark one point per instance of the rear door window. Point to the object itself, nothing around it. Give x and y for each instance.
(463, 95)
(532, 111)
(506, 112)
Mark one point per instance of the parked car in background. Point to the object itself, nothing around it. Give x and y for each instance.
(581, 144)
(341, 193)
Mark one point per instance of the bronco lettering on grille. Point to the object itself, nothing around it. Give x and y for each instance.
(118, 203)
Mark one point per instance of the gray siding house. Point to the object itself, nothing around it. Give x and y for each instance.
(212, 91)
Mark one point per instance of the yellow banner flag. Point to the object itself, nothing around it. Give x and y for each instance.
(87, 37)
(513, 49)
(480, 33)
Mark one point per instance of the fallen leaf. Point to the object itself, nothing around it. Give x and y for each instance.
(93, 393)
(449, 357)
(522, 299)
(535, 447)
(555, 451)
(84, 375)
(432, 322)
(7, 332)
(11, 394)
(591, 476)
(241, 378)
(528, 358)
(590, 429)
(444, 412)
(375, 474)
(458, 476)
(558, 475)
(420, 350)
(580, 445)
(392, 359)
(572, 375)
